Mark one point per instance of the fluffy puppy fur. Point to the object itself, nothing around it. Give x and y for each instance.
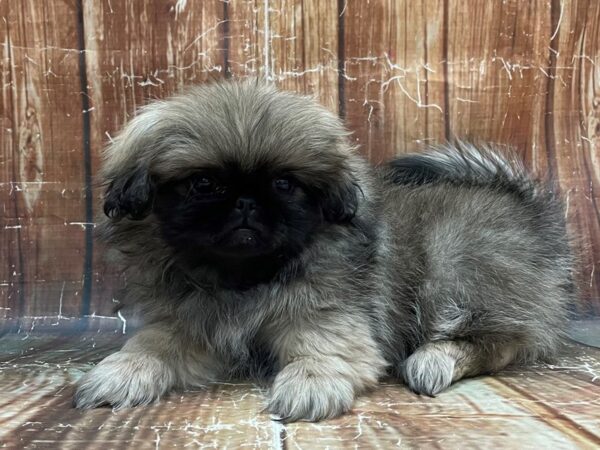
(257, 242)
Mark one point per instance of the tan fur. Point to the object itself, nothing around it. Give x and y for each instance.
(327, 362)
(436, 365)
(151, 363)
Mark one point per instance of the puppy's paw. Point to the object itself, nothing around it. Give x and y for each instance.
(300, 392)
(123, 380)
(429, 370)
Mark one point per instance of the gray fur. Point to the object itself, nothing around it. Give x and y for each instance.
(435, 278)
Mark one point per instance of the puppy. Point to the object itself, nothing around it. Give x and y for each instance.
(257, 242)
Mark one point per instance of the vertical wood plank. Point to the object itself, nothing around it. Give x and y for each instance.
(302, 42)
(588, 60)
(135, 52)
(393, 74)
(42, 163)
(11, 282)
(573, 133)
(497, 74)
(241, 38)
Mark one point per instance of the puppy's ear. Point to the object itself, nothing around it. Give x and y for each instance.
(340, 205)
(130, 195)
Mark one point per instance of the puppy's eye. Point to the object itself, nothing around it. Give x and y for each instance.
(283, 185)
(204, 185)
(200, 186)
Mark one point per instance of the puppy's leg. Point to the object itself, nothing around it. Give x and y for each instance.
(325, 365)
(150, 364)
(436, 365)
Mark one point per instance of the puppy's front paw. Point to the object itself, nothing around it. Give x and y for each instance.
(429, 371)
(123, 380)
(301, 392)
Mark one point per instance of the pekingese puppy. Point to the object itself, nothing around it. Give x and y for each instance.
(257, 242)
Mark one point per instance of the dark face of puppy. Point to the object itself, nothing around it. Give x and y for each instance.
(240, 177)
(233, 215)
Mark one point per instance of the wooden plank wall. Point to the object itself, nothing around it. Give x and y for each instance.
(403, 73)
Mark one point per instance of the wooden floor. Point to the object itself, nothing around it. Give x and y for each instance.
(540, 407)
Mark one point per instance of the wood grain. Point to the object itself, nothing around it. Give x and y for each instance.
(42, 182)
(403, 74)
(498, 74)
(302, 39)
(393, 75)
(12, 296)
(570, 141)
(241, 38)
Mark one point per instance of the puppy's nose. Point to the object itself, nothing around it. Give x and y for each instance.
(246, 204)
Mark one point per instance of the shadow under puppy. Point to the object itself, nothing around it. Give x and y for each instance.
(256, 241)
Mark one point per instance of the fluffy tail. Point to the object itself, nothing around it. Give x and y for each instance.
(465, 164)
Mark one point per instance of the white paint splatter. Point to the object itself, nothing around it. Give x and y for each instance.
(122, 320)
(562, 8)
(180, 7)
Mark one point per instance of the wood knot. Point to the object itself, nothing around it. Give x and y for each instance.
(31, 158)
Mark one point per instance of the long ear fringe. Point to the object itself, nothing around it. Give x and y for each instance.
(341, 205)
(130, 195)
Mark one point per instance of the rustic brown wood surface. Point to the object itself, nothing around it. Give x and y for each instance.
(540, 407)
(403, 74)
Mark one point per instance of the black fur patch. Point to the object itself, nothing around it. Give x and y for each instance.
(130, 196)
(245, 246)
